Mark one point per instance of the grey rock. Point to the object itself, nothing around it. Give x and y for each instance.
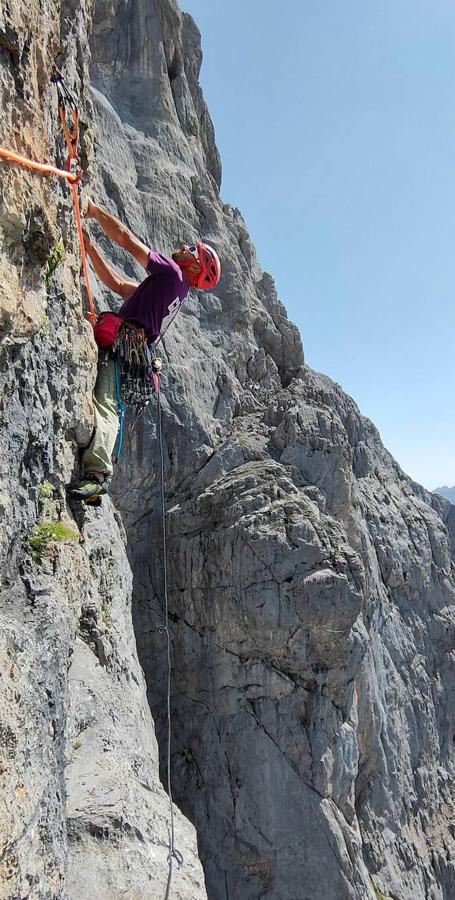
(82, 809)
(304, 571)
(310, 582)
(117, 814)
(447, 492)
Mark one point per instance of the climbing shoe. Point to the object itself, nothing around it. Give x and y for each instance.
(93, 501)
(89, 490)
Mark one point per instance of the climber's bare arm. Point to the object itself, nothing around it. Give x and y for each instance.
(108, 275)
(119, 233)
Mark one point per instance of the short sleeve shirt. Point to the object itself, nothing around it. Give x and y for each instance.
(158, 298)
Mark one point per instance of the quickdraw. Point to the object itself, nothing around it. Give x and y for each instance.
(71, 133)
(136, 367)
(136, 378)
(70, 129)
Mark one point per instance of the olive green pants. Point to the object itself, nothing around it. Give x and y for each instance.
(98, 455)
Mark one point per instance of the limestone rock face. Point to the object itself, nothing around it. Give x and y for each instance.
(82, 810)
(310, 582)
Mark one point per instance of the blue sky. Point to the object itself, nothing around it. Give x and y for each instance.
(335, 120)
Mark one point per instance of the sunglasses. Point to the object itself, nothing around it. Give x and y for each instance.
(193, 249)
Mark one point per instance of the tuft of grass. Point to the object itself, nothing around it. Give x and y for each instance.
(378, 893)
(106, 617)
(46, 490)
(77, 745)
(45, 326)
(55, 257)
(45, 495)
(48, 533)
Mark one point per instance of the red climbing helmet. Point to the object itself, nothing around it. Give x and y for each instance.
(209, 262)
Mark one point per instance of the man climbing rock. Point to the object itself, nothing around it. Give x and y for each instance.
(150, 305)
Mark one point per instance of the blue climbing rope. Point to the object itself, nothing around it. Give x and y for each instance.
(121, 413)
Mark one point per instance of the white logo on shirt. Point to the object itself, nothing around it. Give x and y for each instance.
(172, 311)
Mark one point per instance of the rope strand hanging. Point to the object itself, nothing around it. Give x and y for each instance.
(173, 852)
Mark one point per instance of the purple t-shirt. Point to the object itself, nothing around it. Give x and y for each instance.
(158, 298)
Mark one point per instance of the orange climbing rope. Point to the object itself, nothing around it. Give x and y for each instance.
(39, 167)
(73, 173)
(91, 314)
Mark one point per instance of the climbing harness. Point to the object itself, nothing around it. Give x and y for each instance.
(72, 174)
(146, 390)
(135, 371)
(173, 852)
(136, 367)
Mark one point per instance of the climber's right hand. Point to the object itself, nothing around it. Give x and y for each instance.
(87, 241)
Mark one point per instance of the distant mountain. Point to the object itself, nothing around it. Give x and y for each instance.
(447, 492)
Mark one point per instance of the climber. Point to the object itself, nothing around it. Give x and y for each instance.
(152, 305)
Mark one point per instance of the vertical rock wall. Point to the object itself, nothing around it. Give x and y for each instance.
(82, 811)
(311, 583)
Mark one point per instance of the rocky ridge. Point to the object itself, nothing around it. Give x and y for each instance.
(311, 582)
(447, 492)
